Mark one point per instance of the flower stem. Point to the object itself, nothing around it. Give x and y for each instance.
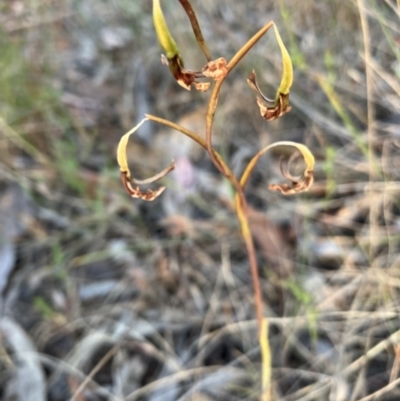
(242, 215)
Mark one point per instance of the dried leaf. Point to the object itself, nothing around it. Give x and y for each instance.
(296, 186)
(126, 178)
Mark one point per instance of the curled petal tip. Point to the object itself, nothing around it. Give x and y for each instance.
(296, 186)
(136, 192)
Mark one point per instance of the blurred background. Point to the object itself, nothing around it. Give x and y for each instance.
(104, 297)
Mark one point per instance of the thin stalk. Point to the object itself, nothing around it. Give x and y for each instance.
(240, 201)
(262, 323)
(241, 211)
(243, 218)
(266, 388)
(249, 44)
(196, 28)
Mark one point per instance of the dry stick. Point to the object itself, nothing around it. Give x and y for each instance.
(242, 214)
(373, 211)
(196, 28)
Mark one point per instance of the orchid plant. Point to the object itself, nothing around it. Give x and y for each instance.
(217, 70)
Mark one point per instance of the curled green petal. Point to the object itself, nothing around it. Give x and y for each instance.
(165, 38)
(287, 67)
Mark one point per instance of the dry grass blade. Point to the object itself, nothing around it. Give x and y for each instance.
(371, 111)
(378, 394)
(182, 375)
